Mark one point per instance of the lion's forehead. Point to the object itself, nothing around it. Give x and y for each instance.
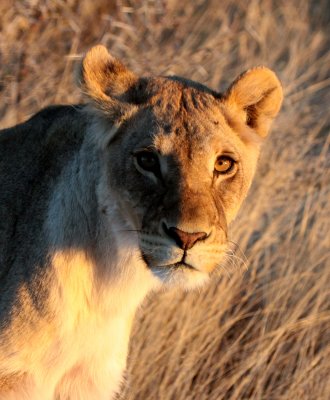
(174, 101)
(179, 116)
(196, 136)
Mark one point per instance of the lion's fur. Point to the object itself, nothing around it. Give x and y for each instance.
(80, 225)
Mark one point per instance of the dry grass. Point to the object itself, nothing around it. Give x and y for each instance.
(261, 334)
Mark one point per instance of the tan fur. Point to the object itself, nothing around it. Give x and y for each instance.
(92, 226)
(255, 97)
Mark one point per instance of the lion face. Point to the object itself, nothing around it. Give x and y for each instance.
(180, 159)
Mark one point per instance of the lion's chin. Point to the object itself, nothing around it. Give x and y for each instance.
(180, 274)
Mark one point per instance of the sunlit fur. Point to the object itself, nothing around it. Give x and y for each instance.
(83, 241)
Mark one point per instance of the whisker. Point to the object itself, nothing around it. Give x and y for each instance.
(236, 261)
(238, 247)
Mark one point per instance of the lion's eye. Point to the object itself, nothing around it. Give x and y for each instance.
(224, 164)
(147, 160)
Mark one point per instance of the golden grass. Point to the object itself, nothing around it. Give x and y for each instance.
(258, 334)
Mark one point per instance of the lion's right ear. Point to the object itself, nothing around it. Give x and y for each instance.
(255, 98)
(105, 79)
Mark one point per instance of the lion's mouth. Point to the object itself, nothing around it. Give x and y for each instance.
(177, 272)
(182, 264)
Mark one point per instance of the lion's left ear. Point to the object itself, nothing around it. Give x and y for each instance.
(255, 97)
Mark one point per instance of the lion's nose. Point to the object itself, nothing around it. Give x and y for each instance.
(185, 240)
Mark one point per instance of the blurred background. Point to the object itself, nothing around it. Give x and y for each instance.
(261, 329)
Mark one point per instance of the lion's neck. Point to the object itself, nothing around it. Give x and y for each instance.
(86, 226)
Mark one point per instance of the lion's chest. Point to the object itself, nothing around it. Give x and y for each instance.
(85, 363)
(94, 358)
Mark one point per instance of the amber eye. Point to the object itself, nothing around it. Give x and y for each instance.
(147, 160)
(224, 164)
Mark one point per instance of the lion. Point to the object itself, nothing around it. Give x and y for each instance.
(104, 202)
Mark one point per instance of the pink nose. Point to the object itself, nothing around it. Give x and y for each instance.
(185, 240)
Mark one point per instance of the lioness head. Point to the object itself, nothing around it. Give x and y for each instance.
(180, 157)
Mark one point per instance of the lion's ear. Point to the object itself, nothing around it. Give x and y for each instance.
(105, 79)
(255, 97)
